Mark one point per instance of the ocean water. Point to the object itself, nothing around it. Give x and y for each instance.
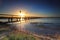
(38, 26)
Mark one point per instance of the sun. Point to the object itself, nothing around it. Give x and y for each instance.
(22, 14)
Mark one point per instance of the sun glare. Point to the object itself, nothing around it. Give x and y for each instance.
(22, 14)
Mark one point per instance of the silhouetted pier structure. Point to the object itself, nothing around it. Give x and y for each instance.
(11, 17)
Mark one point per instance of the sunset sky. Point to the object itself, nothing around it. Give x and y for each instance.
(40, 8)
